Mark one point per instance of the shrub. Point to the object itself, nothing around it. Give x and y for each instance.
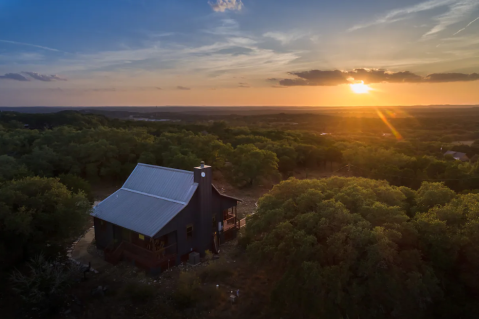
(186, 294)
(208, 255)
(215, 271)
(45, 284)
(139, 292)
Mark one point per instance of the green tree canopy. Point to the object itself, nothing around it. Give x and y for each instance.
(35, 212)
(250, 163)
(347, 248)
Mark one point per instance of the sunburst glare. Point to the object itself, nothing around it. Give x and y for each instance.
(360, 88)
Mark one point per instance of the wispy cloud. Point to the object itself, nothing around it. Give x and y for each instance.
(457, 10)
(161, 35)
(102, 90)
(43, 77)
(228, 27)
(467, 26)
(183, 88)
(285, 38)
(223, 5)
(30, 45)
(27, 76)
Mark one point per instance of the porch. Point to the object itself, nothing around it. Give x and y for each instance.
(231, 224)
(151, 254)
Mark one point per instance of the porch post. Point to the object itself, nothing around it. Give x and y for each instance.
(236, 217)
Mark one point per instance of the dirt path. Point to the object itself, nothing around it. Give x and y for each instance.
(82, 254)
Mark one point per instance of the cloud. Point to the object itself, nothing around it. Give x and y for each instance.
(235, 51)
(243, 85)
(285, 38)
(183, 88)
(451, 77)
(30, 45)
(223, 5)
(466, 26)
(457, 11)
(44, 78)
(102, 90)
(368, 76)
(56, 90)
(158, 88)
(28, 76)
(14, 77)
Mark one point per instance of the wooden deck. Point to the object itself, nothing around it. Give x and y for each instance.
(142, 257)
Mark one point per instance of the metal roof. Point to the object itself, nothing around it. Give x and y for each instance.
(165, 182)
(141, 213)
(455, 153)
(149, 199)
(227, 196)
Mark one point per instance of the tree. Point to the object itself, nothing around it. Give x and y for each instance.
(11, 169)
(333, 154)
(181, 159)
(36, 212)
(250, 163)
(147, 158)
(77, 184)
(346, 248)
(430, 195)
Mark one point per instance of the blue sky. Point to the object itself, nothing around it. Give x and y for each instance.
(78, 52)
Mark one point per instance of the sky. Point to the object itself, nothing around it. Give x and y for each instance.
(239, 52)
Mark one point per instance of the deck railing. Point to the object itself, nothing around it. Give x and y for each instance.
(115, 252)
(229, 223)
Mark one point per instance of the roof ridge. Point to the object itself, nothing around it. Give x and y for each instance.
(155, 196)
(165, 168)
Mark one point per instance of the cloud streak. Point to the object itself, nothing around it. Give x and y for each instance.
(223, 5)
(28, 76)
(467, 26)
(285, 38)
(182, 88)
(44, 78)
(30, 45)
(368, 76)
(457, 11)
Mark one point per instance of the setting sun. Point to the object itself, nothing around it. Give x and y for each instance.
(360, 88)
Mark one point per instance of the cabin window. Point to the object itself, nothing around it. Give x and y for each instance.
(189, 231)
(141, 236)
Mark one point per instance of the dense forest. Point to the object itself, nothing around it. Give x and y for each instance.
(360, 248)
(393, 238)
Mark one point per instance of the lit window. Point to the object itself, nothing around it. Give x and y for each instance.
(189, 231)
(141, 236)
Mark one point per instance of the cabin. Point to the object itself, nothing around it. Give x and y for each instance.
(161, 215)
(458, 156)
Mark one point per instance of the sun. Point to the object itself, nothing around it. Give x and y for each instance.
(360, 88)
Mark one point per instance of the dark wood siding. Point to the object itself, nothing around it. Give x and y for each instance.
(103, 233)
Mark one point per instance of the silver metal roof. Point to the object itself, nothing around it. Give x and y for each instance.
(162, 181)
(149, 199)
